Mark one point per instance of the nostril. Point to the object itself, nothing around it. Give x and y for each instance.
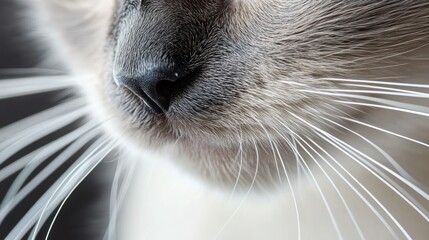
(134, 87)
(157, 87)
(165, 90)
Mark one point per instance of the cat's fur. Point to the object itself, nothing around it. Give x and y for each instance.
(268, 81)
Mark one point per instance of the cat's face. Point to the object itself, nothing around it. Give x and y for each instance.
(214, 78)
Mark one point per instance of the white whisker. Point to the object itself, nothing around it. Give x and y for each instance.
(270, 140)
(245, 196)
(329, 179)
(390, 105)
(425, 114)
(402, 84)
(328, 136)
(240, 168)
(391, 161)
(25, 86)
(328, 208)
(359, 194)
(79, 169)
(298, 221)
(14, 197)
(28, 71)
(100, 156)
(124, 170)
(386, 131)
(366, 86)
(42, 156)
(389, 93)
(58, 110)
(28, 136)
(333, 185)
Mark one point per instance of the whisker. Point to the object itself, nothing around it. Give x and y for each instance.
(359, 194)
(272, 148)
(386, 131)
(298, 221)
(124, 170)
(47, 151)
(103, 153)
(240, 168)
(390, 159)
(333, 185)
(329, 136)
(79, 170)
(425, 114)
(403, 84)
(422, 212)
(390, 105)
(245, 196)
(389, 93)
(38, 131)
(366, 86)
(40, 117)
(31, 85)
(353, 156)
(28, 71)
(14, 197)
(329, 179)
(328, 208)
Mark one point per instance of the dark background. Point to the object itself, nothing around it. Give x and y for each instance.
(84, 215)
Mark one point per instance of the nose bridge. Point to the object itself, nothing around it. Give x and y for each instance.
(160, 36)
(140, 49)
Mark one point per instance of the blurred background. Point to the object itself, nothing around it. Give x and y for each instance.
(84, 215)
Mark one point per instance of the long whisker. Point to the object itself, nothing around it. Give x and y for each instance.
(391, 93)
(425, 114)
(390, 159)
(389, 104)
(29, 71)
(329, 179)
(13, 197)
(43, 155)
(70, 180)
(367, 203)
(386, 131)
(298, 221)
(245, 196)
(103, 153)
(328, 208)
(35, 212)
(36, 132)
(389, 88)
(25, 86)
(124, 170)
(382, 177)
(240, 168)
(327, 137)
(270, 140)
(333, 185)
(58, 110)
(402, 84)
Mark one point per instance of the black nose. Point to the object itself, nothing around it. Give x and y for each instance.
(155, 87)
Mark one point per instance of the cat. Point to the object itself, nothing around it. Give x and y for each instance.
(244, 119)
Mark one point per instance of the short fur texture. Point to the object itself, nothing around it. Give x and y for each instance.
(275, 81)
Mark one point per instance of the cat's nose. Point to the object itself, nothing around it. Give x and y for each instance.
(155, 87)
